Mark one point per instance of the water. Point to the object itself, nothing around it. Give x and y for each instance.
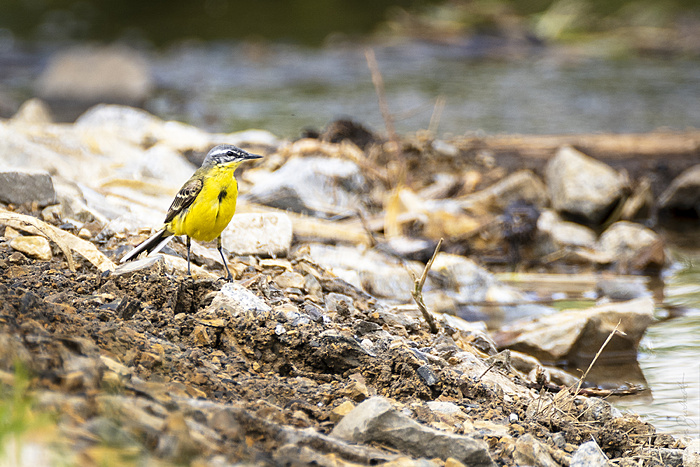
(669, 358)
(286, 89)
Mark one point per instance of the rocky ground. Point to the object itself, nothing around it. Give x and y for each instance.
(317, 353)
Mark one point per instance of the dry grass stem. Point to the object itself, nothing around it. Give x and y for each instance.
(378, 82)
(437, 115)
(600, 351)
(418, 291)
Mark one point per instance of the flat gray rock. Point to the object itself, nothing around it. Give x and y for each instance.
(376, 420)
(19, 186)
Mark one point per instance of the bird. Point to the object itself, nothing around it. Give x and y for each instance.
(204, 205)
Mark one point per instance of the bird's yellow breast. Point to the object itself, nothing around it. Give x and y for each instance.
(213, 208)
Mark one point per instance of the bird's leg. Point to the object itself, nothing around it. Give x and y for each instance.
(188, 257)
(229, 277)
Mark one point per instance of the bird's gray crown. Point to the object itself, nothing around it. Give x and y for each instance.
(227, 153)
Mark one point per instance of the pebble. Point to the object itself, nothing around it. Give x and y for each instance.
(34, 246)
(342, 410)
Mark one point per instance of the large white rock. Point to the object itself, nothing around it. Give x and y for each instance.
(268, 234)
(313, 185)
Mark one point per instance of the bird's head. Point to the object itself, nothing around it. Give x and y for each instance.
(227, 154)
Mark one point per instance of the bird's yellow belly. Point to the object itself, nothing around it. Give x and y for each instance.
(211, 212)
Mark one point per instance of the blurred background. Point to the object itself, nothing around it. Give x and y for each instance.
(493, 66)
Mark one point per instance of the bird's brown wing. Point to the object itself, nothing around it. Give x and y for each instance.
(184, 198)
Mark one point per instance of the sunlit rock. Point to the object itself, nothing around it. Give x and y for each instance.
(581, 187)
(554, 233)
(91, 74)
(33, 112)
(268, 234)
(633, 246)
(33, 245)
(576, 336)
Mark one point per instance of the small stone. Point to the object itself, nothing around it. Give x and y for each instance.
(33, 111)
(52, 214)
(290, 279)
(150, 265)
(239, 300)
(19, 186)
(201, 336)
(339, 303)
(11, 233)
(627, 242)
(554, 233)
(34, 246)
(85, 233)
(342, 410)
(356, 391)
(589, 454)
(426, 373)
(530, 451)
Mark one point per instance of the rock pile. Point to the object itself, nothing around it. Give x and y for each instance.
(316, 354)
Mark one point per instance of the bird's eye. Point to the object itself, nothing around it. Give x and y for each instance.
(230, 154)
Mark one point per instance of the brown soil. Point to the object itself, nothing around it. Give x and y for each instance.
(61, 325)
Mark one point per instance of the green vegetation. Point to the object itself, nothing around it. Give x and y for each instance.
(18, 415)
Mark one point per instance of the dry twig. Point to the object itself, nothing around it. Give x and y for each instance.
(600, 351)
(378, 82)
(417, 292)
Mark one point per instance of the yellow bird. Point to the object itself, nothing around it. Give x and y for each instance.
(204, 205)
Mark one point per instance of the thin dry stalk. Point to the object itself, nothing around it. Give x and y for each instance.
(378, 82)
(418, 291)
(600, 351)
(437, 115)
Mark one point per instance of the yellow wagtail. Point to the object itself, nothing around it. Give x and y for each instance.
(204, 205)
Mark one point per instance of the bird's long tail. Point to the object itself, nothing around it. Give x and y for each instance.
(153, 245)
